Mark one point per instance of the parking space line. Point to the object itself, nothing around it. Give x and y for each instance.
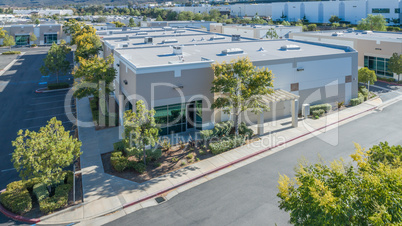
(51, 108)
(36, 98)
(7, 170)
(47, 102)
(48, 116)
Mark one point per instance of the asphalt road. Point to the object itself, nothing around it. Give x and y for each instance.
(22, 108)
(247, 196)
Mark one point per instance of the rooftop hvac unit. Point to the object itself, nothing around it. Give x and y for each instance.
(179, 31)
(142, 33)
(290, 47)
(337, 34)
(124, 45)
(169, 41)
(350, 30)
(235, 38)
(167, 28)
(367, 32)
(232, 51)
(177, 50)
(216, 38)
(110, 32)
(148, 40)
(126, 38)
(124, 28)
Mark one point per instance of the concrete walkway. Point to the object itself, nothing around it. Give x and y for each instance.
(104, 194)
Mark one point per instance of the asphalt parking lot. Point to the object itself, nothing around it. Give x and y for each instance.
(22, 108)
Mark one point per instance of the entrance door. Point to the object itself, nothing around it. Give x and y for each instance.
(190, 115)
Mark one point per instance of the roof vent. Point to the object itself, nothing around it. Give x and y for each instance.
(126, 38)
(350, 30)
(179, 31)
(235, 38)
(170, 41)
(167, 28)
(124, 45)
(216, 38)
(290, 47)
(367, 32)
(261, 49)
(202, 39)
(232, 51)
(110, 32)
(124, 28)
(148, 40)
(193, 40)
(142, 33)
(177, 50)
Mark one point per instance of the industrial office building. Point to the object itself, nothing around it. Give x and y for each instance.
(46, 34)
(254, 31)
(172, 73)
(374, 48)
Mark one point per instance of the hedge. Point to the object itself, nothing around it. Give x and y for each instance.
(355, 101)
(118, 161)
(325, 107)
(59, 200)
(60, 85)
(40, 191)
(16, 198)
(318, 112)
(11, 52)
(225, 145)
(224, 129)
(153, 155)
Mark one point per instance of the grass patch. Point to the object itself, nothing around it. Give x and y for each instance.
(11, 52)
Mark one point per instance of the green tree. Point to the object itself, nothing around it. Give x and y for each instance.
(198, 16)
(32, 37)
(2, 32)
(214, 14)
(56, 61)
(159, 18)
(373, 23)
(367, 76)
(46, 153)
(88, 45)
(271, 34)
(334, 19)
(131, 22)
(140, 128)
(118, 23)
(72, 27)
(240, 86)
(285, 23)
(8, 41)
(335, 25)
(94, 76)
(395, 64)
(342, 194)
(37, 21)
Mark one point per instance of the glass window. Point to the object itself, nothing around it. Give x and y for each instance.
(380, 65)
(22, 39)
(161, 116)
(50, 38)
(380, 10)
(398, 10)
(377, 64)
(198, 114)
(366, 61)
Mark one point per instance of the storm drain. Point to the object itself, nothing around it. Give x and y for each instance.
(160, 199)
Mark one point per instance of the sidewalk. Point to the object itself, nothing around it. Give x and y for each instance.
(104, 193)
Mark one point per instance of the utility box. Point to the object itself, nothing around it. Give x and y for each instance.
(306, 110)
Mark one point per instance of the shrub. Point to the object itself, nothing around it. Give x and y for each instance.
(390, 28)
(70, 178)
(312, 27)
(40, 191)
(364, 91)
(183, 163)
(34, 45)
(397, 29)
(165, 143)
(206, 134)
(174, 159)
(118, 161)
(202, 152)
(57, 201)
(318, 113)
(118, 146)
(325, 107)
(31, 182)
(11, 52)
(139, 167)
(223, 128)
(61, 85)
(355, 101)
(153, 155)
(16, 198)
(197, 159)
(133, 151)
(361, 97)
(190, 156)
(225, 145)
(244, 130)
(340, 104)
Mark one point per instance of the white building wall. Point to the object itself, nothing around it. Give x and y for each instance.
(389, 4)
(330, 8)
(354, 11)
(247, 33)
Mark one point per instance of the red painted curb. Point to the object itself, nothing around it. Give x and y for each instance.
(236, 161)
(390, 83)
(17, 217)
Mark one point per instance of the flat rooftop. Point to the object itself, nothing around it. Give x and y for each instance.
(374, 35)
(257, 50)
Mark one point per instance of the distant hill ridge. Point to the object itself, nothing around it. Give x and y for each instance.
(44, 3)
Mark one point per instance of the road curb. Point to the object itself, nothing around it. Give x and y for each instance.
(15, 216)
(237, 161)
